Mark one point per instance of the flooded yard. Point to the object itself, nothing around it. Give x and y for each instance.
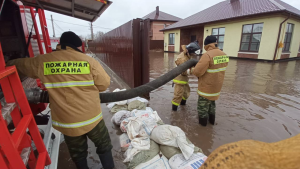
(258, 101)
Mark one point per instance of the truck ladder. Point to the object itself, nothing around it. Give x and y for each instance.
(15, 148)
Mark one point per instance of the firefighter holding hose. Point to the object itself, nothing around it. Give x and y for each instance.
(73, 81)
(182, 88)
(210, 71)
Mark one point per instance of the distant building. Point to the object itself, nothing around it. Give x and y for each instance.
(257, 29)
(159, 20)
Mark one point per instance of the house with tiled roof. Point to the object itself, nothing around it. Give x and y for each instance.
(159, 20)
(257, 29)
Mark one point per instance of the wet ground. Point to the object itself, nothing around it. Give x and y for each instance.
(258, 101)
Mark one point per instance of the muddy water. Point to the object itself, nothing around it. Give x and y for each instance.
(258, 101)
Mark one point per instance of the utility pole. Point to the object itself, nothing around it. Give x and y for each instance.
(92, 32)
(53, 26)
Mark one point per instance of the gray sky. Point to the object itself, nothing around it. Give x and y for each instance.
(122, 11)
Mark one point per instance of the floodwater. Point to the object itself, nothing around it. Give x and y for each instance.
(259, 101)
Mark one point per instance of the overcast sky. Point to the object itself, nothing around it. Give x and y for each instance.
(122, 11)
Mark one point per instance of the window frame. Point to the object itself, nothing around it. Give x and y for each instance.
(251, 36)
(173, 38)
(288, 33)
(217, 36)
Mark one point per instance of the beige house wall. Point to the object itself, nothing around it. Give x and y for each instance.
(295, 43)
(177, 40)
(233, 34)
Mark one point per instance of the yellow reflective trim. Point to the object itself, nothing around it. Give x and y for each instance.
(180, 82)
(69, 84)
(220, 59)
(183, 98)
(76, 125)
(208, 94)
(216, 70)
(176, 104)
(66, 67)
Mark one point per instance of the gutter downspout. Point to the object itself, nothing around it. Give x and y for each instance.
(279, 33)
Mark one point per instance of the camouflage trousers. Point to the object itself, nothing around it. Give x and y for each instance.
(206, 107)
(98, 135)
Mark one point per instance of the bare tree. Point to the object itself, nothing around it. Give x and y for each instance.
(97, 35)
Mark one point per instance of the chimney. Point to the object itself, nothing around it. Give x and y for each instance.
(157, 10)
(232, 1)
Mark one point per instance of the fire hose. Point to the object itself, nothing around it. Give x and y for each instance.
(36, 95)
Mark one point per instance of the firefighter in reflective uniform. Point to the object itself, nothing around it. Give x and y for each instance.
(182, 88)
(211, 72)
(73, 81)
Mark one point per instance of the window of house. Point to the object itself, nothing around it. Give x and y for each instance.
(251, 37)
(171, 38)
(288, 37)
(193, 38)
(219, 33)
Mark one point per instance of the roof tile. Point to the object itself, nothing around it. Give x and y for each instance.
(226, 10)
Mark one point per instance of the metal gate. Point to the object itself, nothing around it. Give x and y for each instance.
(126, 51)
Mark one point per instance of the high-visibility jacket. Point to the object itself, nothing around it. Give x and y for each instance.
(211, 72)
(183, 78)
(73, 81)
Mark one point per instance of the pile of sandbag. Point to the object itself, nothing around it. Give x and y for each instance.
(131, 104)
(150, 144)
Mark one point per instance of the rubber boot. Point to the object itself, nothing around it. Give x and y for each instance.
(203, 121)
(183, 102)
(211, 119)
(107, 160)
(81, 164)
(174, 107)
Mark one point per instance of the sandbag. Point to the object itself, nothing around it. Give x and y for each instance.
(169, 151)
(139, 99)
(135, 156)
(124, 141)
(172, 136)
(117, 108)
(147, 113)
(140, 127)
(139, 113)
(130, 153)
(156, 163)
(141, 143)
(194, 162)
(118, 117)
(144, 155)
(124, 124)
(136, 104)
(249, 154)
